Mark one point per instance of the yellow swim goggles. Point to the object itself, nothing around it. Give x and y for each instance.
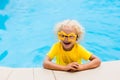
(71, 37)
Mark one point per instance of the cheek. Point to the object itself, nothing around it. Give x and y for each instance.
(72, 43)
(61, 42)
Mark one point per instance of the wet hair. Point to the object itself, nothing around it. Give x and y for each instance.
(72, 24)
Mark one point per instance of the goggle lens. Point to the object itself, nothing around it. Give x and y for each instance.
(62, 36)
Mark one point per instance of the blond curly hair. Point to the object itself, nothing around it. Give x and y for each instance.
(72, 24)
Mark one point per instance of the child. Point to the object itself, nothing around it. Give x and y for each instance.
(67, 52)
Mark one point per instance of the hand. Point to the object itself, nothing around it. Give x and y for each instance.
(72, 67)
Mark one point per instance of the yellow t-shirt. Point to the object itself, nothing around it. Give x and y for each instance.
(65, 57)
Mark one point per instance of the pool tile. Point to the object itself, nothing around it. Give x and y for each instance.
(43, 74)
(4, 73)
(21, 74)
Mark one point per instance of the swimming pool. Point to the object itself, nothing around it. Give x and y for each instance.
(26, 28)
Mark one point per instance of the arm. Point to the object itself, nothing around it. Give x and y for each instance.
(94, 62)
(48, 64)
(72, 67)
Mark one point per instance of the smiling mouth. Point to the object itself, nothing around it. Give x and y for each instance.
(67, 43)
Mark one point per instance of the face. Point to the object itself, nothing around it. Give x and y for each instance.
(68, 38)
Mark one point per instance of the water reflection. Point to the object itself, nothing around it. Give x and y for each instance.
(3, 19)
(3, 4)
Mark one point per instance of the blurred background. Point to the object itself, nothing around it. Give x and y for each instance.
(26, 28)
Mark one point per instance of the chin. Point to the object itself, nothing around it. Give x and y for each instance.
(68, 47)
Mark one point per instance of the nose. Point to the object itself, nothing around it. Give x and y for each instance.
(66, 38)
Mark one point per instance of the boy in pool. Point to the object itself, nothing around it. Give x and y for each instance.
(68, 52)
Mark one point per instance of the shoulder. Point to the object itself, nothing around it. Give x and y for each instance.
(78, 45)
(56, 45)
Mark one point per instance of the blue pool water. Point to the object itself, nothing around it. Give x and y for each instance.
(26, 28)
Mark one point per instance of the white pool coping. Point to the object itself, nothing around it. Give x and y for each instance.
(107, 71)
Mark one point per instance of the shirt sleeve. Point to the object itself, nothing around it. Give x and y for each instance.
(85, 54)
(52, 52)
